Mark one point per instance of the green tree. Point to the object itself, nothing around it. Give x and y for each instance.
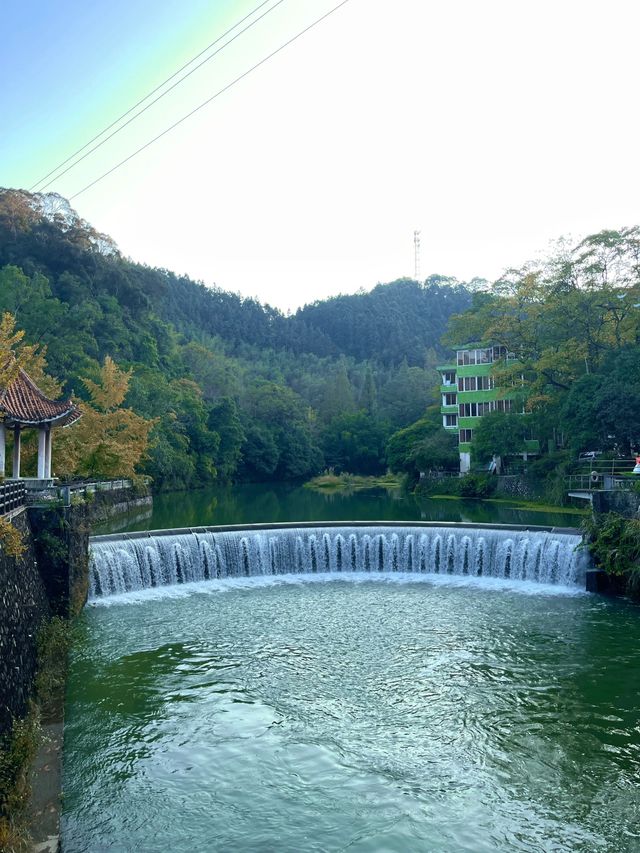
(423, 446)
(499, 434)
(224, 420)
(602, 411)
(355, 443)
(369, 394)
(338, 397)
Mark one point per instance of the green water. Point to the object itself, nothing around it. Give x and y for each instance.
(396, 715)
(273, 502)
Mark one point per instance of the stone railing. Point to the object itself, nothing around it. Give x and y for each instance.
(13, 495)
(36, 491)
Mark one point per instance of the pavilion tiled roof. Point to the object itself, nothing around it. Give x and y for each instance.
(22, 402)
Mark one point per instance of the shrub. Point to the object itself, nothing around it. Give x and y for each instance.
(477, 486)
(614, 543)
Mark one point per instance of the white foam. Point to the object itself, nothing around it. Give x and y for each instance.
(222, 585)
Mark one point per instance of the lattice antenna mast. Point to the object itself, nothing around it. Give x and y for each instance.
(416, 255)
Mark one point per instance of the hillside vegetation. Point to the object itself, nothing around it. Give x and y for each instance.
(236, 389)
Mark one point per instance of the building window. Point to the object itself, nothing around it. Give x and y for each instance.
(476, 356)
(451, 420)
(449, 377)
(468, 410)
(499, 353)
(504, 405)
(468, 383)
(449, 399)
(484, 409)
(466, 435)
(485, 383)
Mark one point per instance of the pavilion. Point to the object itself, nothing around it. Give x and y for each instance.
(24, 406)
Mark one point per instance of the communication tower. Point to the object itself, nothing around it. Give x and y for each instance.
(416, 255)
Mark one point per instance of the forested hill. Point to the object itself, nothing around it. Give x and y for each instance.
(393, 322)
(236, 389)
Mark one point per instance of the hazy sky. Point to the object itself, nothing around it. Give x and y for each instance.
(493, 127)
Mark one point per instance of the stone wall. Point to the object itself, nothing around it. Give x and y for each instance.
(61, 545)
(50, 578)
(23, 608)
(623, 502)
(107, 504)
(520, 488)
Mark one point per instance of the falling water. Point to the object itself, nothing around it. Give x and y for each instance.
(121, 565)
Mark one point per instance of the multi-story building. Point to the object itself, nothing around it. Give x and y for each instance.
(469, 392)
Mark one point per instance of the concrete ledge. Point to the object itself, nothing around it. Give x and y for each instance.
(289, 525)
(44, 806)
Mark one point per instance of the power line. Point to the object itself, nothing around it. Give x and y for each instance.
(209, 100)
(152, 92)
(166, 92)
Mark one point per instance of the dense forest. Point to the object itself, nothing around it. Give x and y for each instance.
(573, 323)
(235, 389)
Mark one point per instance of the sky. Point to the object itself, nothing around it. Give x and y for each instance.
(491, 127)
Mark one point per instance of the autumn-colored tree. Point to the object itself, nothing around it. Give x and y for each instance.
(11, 359)
(9, 354)
(109, 440)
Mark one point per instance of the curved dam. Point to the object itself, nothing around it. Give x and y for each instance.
(125, 563)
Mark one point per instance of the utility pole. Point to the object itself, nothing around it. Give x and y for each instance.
(416, 255)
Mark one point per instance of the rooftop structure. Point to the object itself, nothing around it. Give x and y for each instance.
(24, 406)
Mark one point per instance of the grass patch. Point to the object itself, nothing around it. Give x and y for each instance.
(54, 642)
(353, 482)
(531, 506)
(17, 752)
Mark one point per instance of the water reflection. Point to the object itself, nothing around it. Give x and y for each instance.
(255, 503)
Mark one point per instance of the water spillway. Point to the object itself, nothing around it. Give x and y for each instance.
(121, 564)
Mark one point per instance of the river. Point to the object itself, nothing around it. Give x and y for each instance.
(374, 713)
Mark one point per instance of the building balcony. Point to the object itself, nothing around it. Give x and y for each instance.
(449, 410)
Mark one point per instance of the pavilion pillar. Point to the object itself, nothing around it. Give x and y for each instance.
(47, 455)
(3, 448)
(42, 452)
(16, 453)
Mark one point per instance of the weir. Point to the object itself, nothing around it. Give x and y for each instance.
(127, 562)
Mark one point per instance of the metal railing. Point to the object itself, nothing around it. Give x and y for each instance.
(613, 467)
(597, 481)
(13, 495)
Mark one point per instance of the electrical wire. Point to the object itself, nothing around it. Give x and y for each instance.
(209, 100)
(147, 96)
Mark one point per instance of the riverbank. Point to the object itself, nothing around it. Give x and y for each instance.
(529, 506)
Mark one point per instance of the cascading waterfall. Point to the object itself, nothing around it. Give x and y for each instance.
(121, 565)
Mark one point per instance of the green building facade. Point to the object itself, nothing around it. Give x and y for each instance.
(468, 391)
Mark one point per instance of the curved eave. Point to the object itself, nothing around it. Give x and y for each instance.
(62, 420)
(22, 404)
